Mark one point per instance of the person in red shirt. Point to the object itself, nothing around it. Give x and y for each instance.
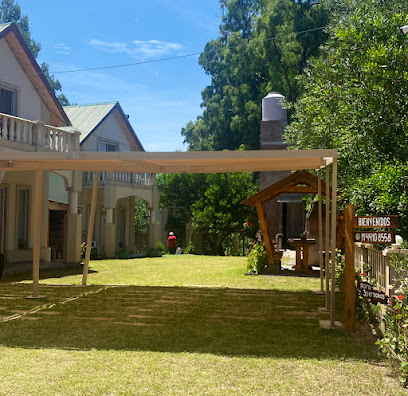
(172, 243)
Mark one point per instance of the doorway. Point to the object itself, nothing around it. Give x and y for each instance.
(56, 233)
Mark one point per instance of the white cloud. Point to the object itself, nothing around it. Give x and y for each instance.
(138, 49)
(62, 48)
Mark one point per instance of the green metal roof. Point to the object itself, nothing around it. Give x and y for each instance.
(86, 118)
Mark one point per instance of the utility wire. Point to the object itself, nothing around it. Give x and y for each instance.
(176, 56)
(127, 64)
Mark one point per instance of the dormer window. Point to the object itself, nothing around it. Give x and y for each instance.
(107, 146)
(7, 101)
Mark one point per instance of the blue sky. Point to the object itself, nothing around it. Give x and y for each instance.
(160, 98)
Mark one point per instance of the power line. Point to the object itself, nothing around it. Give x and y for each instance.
(176, 56)
(128, 64)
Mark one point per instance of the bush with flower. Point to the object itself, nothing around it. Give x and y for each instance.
(394, 341)
(257, 259)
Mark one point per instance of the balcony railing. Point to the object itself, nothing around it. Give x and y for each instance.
(38, 134)
(141, 179)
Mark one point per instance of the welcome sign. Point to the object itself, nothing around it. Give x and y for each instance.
(389, 221)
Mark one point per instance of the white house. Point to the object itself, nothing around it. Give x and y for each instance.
(105, 127)
(32, 119)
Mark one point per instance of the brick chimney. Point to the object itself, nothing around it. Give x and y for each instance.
(274, 120)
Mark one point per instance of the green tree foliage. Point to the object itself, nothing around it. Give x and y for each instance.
(356, 99)
(10, 11)
(55, 84)
(212, 202)
(142, 215)
(385, 191)
(257, 51)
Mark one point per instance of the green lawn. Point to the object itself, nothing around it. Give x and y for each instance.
(184, 325)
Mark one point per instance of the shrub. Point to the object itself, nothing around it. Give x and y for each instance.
(394, 343)
(160, 248)
(190, 249)
(257, 260)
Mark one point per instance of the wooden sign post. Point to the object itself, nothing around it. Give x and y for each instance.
(349, 272)
(351, 222)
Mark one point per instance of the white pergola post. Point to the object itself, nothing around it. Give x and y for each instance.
(333, 242)
(319, 191)
(37, 233)
(90, 228)
(327, 239)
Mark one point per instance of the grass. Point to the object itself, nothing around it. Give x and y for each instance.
(184, 325)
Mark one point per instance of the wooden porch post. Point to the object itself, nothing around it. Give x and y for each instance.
(37, 232)
(90, 228)
(349, 282)
(263, 222)
(333, 242)
(319, 190)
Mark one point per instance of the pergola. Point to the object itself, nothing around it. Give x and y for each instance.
(167, 162)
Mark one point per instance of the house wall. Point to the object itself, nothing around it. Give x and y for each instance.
(57, 192)
(13, 181)
(108, 130)
(29, 104)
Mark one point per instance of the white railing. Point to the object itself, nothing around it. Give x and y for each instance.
(380, 263)
(37, 133)
(141, 179)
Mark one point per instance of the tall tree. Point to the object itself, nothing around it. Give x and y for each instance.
(257, 51)
(356, 95)
(10, 11)
(212, 202)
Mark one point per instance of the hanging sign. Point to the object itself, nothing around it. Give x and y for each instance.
(374, 237)
(389, 221)
(375, 296)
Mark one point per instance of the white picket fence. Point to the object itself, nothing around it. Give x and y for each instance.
(380, 264)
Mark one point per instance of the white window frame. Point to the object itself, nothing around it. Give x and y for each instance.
(102, 143)
(13, 111)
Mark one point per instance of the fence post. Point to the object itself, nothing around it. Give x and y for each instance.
(349, 272)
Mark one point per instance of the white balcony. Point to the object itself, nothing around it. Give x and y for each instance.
(36, 135)
(121, 178)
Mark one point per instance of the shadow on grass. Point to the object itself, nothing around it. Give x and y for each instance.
(221, 321)
(45, 274)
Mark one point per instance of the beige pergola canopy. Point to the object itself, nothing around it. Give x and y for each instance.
(163, 162)
(173, 162)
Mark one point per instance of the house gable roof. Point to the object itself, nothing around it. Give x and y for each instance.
(87, 118)
(10, 33)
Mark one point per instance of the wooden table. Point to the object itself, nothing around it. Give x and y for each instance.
(301, 246)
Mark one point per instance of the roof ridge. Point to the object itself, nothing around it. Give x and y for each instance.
(92, 104)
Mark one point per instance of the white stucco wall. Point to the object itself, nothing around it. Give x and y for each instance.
(57, 192)
(13, 77)
(110, 131)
